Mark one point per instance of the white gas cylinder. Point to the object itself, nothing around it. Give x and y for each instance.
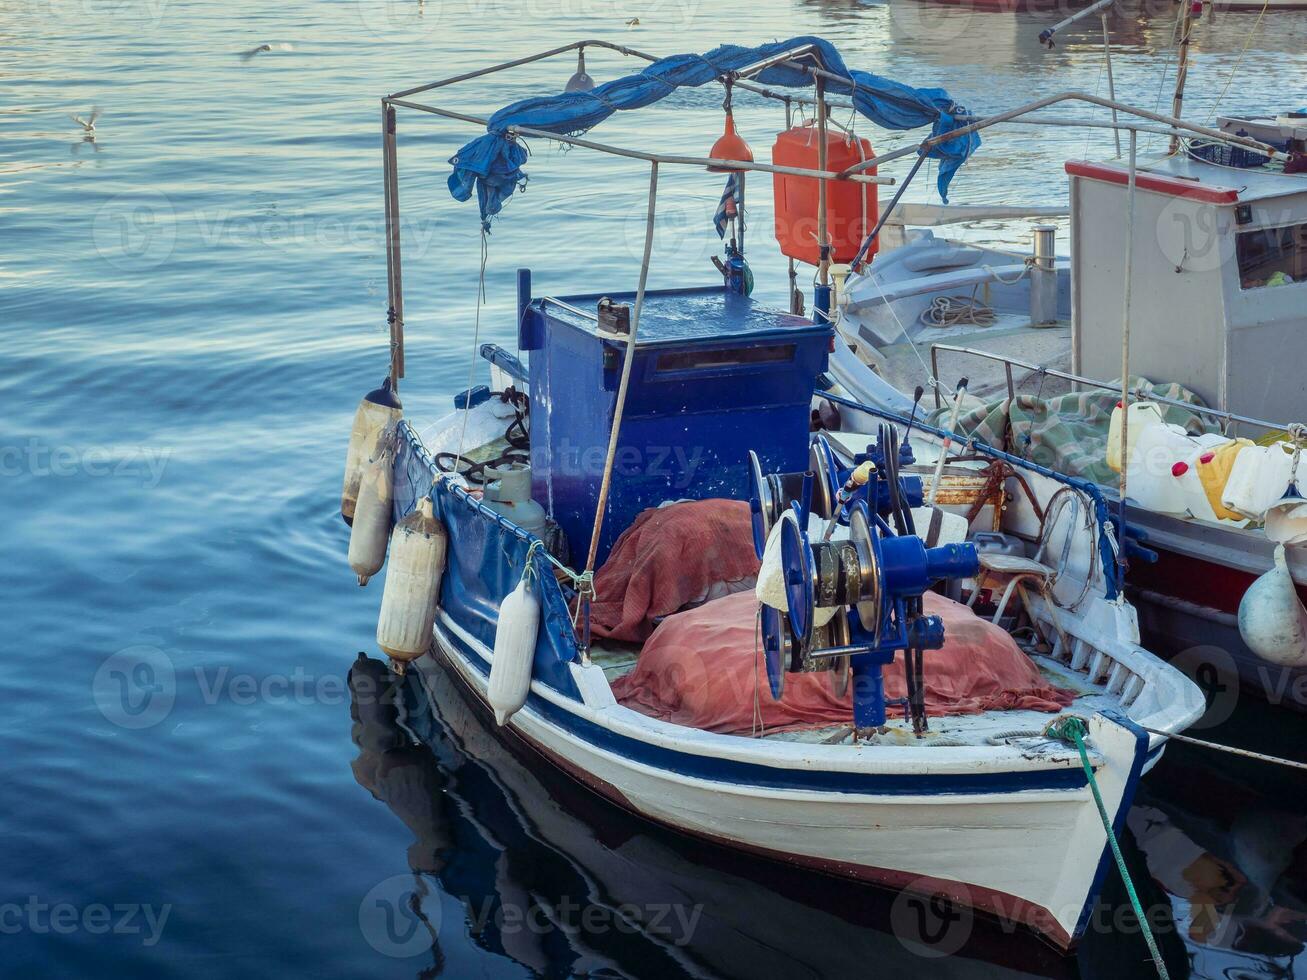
(509, 492)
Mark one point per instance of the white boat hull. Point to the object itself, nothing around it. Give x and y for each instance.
(1030, 856)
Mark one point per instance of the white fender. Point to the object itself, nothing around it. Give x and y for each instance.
(1286, 519)
(408, 604)
(515, 645)
(1272, 620)
(370, 531)
(378, 410)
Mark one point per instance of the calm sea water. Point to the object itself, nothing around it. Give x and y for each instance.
(192, 304)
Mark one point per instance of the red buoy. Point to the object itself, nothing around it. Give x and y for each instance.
(851, 208)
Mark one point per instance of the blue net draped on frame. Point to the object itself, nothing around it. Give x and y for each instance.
(491, 165)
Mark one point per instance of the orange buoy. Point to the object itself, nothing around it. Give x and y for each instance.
(730, 146)
(851, 208)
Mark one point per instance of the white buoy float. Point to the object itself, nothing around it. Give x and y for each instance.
(418, 547)
(378, 410)
(1272, 620)
(370, 531)
(515, 644)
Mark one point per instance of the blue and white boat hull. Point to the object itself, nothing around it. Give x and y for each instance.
(1010, 832)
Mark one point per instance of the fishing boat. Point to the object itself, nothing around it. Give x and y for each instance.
(1216, 243)
(844, 641)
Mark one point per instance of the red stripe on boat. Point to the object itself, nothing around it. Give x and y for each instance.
(1175, 186)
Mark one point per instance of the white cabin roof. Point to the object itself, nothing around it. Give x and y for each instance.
(1235, 184)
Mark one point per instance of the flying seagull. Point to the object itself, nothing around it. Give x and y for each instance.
(88, 125)
(280, 46)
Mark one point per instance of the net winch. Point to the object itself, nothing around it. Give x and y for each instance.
(853, 579)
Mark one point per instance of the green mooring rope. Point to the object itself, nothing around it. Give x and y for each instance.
(1073, 729)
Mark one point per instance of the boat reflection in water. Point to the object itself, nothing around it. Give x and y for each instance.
(1234, 865)
(533, 869)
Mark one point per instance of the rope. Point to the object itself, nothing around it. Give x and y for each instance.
(516, 435)
(953, 311)
(476, 334)
(874, 279)
(1001, 738)
(1260, 757)
(757, 728)
(624, 385)
(1237, 62)
(1069, 728)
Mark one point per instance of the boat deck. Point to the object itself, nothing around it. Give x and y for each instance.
(906, 365)
(946, 731)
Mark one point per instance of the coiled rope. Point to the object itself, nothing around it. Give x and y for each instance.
(1070, 728)
(954, 311)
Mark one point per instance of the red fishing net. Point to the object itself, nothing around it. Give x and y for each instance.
(703, 668)
(670, 557)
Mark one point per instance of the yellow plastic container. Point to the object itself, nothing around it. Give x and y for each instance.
(1214, 467)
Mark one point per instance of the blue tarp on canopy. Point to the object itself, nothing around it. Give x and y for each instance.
(492, 164)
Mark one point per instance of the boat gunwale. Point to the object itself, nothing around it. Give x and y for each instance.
(853, 759)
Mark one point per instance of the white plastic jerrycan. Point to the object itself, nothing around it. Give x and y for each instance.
(1150, 481)
(1142, 416)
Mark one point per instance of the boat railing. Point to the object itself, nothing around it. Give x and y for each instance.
(575, 311)
(1227, 419)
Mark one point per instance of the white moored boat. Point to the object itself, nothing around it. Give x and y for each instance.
(705, 592)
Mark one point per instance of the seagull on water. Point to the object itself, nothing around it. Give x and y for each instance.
(88, 125)
(280, 46)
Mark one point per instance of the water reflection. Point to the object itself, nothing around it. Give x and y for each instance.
(1233, 863)
(540, 872)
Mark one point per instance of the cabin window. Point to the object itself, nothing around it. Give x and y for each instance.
(1272, 256)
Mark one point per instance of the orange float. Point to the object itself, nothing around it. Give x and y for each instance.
(851, 208)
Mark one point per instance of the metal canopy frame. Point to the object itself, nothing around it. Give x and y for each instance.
(805, 57)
